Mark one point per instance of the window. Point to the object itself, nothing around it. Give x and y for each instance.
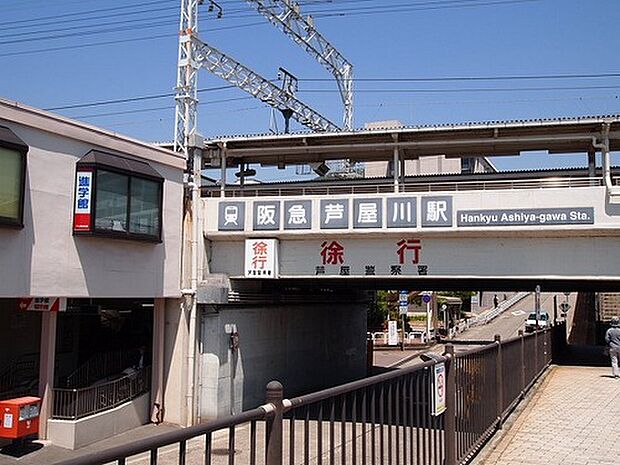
(467, 165)
(117, 197)
(12, 177)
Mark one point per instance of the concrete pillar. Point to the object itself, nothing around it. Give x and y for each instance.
(175, 362)
(157, 362)
(223, 173)
(396, 169)
(47, 359)
(591, 163)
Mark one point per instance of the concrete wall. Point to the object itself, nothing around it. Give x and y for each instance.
(437, 164)
(45, 259)
(453, 257)
(79, 433)
(304, 346)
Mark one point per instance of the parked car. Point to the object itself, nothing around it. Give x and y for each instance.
(530, 323)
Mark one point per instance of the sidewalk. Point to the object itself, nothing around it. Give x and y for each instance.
(572, 419)
(50, 454)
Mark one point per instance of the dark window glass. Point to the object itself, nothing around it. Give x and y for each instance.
(10, 184)
(112, 201)
(145, 208)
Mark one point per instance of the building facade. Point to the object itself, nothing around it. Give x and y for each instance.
(90, 258)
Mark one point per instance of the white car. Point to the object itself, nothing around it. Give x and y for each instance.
(543, 321)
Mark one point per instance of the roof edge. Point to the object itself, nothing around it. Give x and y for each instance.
(26, 115)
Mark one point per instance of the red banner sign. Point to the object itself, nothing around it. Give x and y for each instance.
(42, 304)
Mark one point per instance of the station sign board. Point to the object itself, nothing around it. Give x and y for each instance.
(385, 212)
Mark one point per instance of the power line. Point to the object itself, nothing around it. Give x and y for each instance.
(212, 89)
(474, 78)
(131, 99)
(80, 13)
(168, 107)
(120, 41)
(478, 89)
(405, 7)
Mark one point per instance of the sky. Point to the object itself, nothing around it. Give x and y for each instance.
(523, 56)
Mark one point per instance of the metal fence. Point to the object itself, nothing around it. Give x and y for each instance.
(100, 365)
(71, 404)
(341, 188)
(382, 420)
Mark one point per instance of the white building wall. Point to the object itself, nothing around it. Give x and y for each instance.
(45, 259)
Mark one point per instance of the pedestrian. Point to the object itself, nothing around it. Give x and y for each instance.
(612, 338)
(495, 301)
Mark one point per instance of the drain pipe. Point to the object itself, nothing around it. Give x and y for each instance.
(604, 147)
(194, 185)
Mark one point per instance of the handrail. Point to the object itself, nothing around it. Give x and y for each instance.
(407, 187)
(484, 318)
(359, 384)
(480, 392)
(99, 365)
(75, 403)
(172, 437)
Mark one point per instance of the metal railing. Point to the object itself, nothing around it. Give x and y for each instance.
(101, 365)
(484, 318)
(20, 377)
(72, 404)
(384, 419)
(407, 187)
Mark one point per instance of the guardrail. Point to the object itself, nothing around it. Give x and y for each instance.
(386, 418)
(99, 366)
(411, 337)
(484, 318)
(407, 187)
(72, 404)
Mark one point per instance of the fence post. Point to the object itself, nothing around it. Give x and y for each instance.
(499, 380)
(273, 451)
(370, 354)
(522, 364)
(450, 413)
(536, 356)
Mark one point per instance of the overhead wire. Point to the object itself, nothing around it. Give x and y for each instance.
(401, 7)
(383, 8)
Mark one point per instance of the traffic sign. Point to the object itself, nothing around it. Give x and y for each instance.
(439, 389)
(426, 298)
(403, 297)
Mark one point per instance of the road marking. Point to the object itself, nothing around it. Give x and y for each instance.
(518, 312)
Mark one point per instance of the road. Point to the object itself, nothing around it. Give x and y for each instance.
(507, 324)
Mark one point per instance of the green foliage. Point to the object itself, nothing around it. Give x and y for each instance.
(378, 311)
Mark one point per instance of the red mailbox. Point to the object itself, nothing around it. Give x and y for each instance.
(19, 417)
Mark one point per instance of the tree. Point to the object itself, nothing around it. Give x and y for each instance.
(378, 311)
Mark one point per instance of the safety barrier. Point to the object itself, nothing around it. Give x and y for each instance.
(316, 189)
(388, 418)
(381, 338)
(484, 318)
(72, 404)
